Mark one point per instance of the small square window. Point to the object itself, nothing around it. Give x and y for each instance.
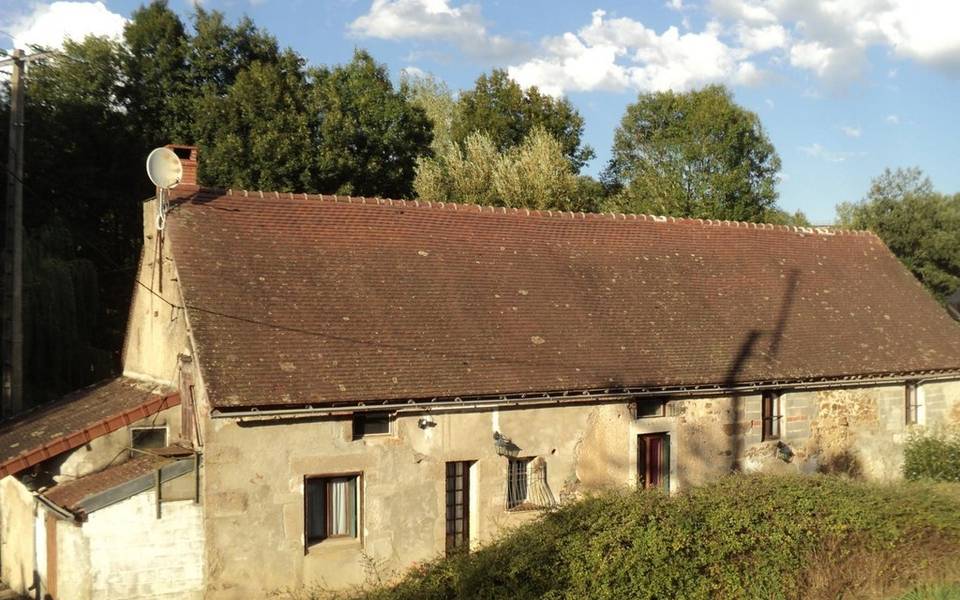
(518, 470)
(771, 416)
(645, 408)
(146, 438)
(374, 423)
(331, 507)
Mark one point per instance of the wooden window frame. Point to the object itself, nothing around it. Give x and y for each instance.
(135, 428)
(450, 544)
(911, 403)
(771, 415)
(309, 542)
(357, 432)
(648, 401)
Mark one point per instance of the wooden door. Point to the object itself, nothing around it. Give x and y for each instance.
(653, 461)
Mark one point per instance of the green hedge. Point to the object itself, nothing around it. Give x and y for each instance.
(933, 455)
(742, 537)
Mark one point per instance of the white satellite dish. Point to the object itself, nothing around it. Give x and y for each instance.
(164, 168)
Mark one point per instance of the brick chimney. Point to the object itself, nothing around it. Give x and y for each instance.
(188, 158)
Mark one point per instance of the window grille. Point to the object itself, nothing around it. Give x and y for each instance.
(517, 480)
(527, 486)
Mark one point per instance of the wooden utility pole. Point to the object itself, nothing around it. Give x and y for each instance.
(13, 250)
(12, 351)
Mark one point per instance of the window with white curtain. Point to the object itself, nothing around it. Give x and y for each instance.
(332, 507)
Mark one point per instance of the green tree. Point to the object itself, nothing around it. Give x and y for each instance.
(507, 113)
(218, 52)
(259, 134)
(155, 88)
(695, 154)
(434, 97)
(369, 136)
(83, 172)
(918, 224)
(534, 174)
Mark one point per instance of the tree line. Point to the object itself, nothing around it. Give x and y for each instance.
(264, 119)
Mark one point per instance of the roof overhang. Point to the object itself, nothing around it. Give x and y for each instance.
(75, 439)
(480, 402)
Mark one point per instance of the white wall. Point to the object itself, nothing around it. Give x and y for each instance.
(130, 554)
(17, 554)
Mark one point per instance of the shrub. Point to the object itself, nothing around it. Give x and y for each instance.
(742, 537)
(933, 455)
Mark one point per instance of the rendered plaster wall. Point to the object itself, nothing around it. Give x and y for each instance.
(113, 448)
(17, 552)
(254, 476)
(156, 331)
(124, 551)
(254, 472)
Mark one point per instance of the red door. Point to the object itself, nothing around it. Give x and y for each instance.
(653, 461)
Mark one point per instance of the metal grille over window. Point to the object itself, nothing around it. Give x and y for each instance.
(527, 486)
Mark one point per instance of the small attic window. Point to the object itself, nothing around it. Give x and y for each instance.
(146, 438)
(373, 423)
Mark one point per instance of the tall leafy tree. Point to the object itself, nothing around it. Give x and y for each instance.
(500, 108)
(695, 154)
(219, 52)
(369, 136)
(155, 88)
(259, 135)
(436, 100)
(534, 174)
(917, 223)
(83, 173)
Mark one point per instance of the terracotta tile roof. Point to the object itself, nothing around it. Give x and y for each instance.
(77, 418)
(70, 493)
(297, 299)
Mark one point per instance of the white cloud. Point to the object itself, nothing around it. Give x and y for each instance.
(892, 119)
(50, 24)
(763, 38)
(622, 53)
(770, 103)
(675, 4)
(819, 152)
(463, 26)
(414, 72)
(832, 37)
(849, 131)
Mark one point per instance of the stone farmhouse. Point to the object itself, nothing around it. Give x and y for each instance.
(315, 384)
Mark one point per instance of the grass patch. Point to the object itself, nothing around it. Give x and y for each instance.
(742, 537)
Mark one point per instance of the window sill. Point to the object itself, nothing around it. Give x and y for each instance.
(334, 543)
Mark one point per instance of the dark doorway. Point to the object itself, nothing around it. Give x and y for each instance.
(458, 506)
(653, 461)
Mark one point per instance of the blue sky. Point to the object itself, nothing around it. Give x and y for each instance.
(843, 87)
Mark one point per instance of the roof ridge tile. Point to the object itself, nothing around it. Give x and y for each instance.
(547, 213)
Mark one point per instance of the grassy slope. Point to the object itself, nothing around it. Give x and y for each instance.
(743, 537)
